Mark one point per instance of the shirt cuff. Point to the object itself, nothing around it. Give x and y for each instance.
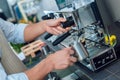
(18, 76)
(20, 33)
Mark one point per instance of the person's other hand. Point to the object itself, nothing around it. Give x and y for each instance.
(62, 58)
(53, 26)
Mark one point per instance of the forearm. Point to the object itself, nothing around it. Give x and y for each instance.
(32, 31)
(40, 71)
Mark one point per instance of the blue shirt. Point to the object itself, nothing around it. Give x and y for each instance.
(13, 33)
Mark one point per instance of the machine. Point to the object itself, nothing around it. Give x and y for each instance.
(93, 45)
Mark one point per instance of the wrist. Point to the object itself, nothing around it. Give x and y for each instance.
(44, 26)
(42, 69)
(49, 63)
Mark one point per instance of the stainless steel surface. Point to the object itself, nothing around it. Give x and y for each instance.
(87, 37)
(113, 7)
(80, 51)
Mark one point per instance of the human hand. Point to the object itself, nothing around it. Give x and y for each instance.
(59, 60)
(62, 59)
(53, 26)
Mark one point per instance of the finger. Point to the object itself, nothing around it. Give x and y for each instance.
(61, 19)
(57, 31)
(68, 48)
(54, 32)
(73, 59)
(55, 22)
(68, 28)
(70, 51)
(71, 63)
(61, 29)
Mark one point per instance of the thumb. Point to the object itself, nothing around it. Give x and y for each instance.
(55, 22)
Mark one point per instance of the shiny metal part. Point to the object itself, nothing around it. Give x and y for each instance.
(80, 51)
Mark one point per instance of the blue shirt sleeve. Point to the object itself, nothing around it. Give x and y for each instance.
(17, 76)
(13, 32)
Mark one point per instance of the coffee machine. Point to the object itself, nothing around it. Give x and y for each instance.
(88, 36)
